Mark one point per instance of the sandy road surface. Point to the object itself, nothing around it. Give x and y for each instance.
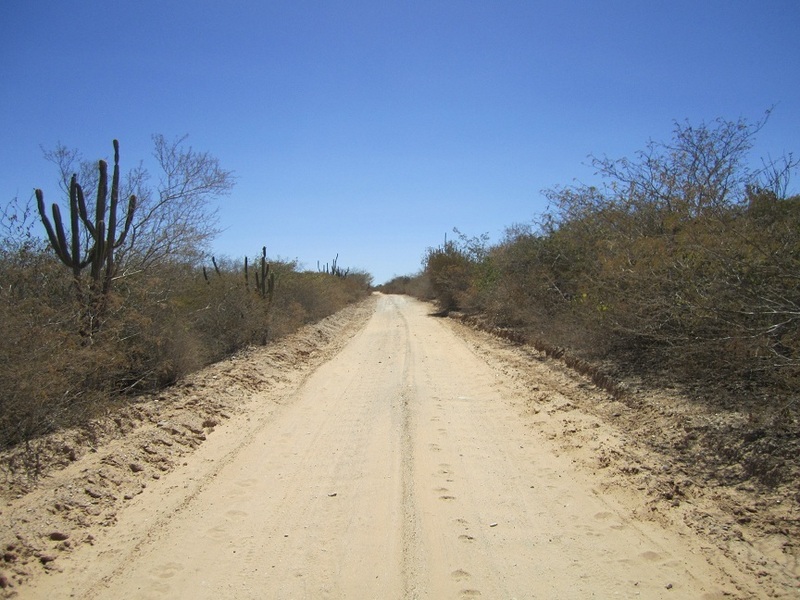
(400, 468)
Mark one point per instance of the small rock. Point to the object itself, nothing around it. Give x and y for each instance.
(332, 494)
(59, 536)
(136, 467)
(46, 558)
(93, 492)
(492, 524)
(669, 586)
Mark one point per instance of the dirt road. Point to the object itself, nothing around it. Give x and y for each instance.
(405, 466)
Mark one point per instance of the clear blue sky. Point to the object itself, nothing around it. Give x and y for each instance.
(371, 128)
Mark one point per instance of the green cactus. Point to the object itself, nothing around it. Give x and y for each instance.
(216, 266)
(336, 269)
(265, 284)
(102, 236)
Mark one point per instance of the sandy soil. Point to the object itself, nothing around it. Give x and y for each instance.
(383, 453)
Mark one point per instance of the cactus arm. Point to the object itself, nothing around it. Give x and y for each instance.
(82, 207)
(82, 213)
(271, 287)
(100, 221)
(102, 191)
(112, 222)
(73, 215)
(98, 257)
(89, 258)
(128, 221)
(51, 234)
(264, 271)
(61, 238)
(112, 212)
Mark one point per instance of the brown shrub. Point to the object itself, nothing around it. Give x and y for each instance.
(160, 325)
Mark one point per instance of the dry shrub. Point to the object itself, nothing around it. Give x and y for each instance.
(46, 371)
(307, 297)
(683, 266)
(159, 326)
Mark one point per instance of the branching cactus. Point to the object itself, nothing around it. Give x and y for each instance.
(102, 238)
(336, 269)
(265, 283)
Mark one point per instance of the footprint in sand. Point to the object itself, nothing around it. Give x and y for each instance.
(651, 556)
(460, 575)
(159, 589)
(466, 538)
(217, 533)
(470, 594)
(168, 570)
(447, 497)
(242, 489)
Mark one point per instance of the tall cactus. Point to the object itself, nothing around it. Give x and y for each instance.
(265, 284)
(336, 269)
(102, 237)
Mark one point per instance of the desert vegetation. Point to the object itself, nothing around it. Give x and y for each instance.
(680, 269)
(121, 296)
